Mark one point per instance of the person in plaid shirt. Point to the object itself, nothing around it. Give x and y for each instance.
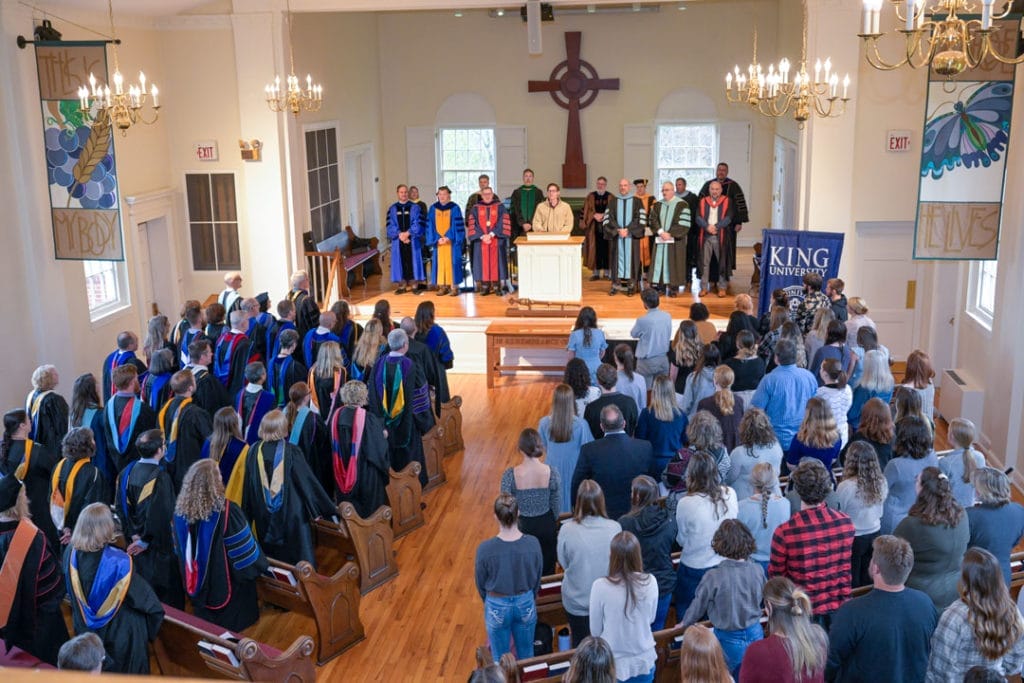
(814, 299)
(813, 547)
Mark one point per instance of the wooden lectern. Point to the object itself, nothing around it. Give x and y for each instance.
(550, 268)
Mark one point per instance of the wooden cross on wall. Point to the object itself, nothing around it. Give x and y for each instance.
(573, 85)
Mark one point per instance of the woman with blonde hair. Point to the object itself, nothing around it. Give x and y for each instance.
(701, 659)
(861, 495)
(277, 490)
(816, 336)
(47, 410)
(563, 433)
(684, 354)
(858, 310)
(982, 628)
(220, 574)
(622, 608)
(725, 406)
(757, 444)
(875, 382)
(918, 376)
(107, 596)
(662, 423)
(326, 377)
(795, 649)
(961, 463)
(763, 510)
(818, 437)
(367, 350)
(225, 444)
(156, 337)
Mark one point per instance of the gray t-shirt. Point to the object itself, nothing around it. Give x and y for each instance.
(508, 567)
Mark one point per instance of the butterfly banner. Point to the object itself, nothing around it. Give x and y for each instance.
(81, 174)
(963, 158)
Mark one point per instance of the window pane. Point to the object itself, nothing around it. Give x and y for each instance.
(313, 180)
(332, 178)
(987, 287)
(316, 225)
(465, 154)
(331, 218)
(203, 255)
(687, 151)
(321, 143)
(100, 283)
(311, 160)
(228, 255)
(197, 187)
(223, 197)
(332, 146)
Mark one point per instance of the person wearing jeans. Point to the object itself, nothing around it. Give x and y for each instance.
(508, 571)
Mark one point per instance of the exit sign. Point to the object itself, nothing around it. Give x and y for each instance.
(205, 150)
(897, 141)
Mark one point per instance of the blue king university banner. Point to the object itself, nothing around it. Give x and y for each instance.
(787, 255)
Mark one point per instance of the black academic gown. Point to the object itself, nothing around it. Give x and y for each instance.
(194, 426)
(286, 534)
(372, 476)
(738, 203)
(407, 427)
(324, 389)
(36, 478)
(692, 236)
(285, 372)
(90, 486)
(50, 423)
(35, 623)
(108, 367)
(145, 502)
(162, 393)
(210, 394)
(433, 371)
(239, 359)
(315, 443)
(227, 594)
(307, 313)
(146, 420)
(136, 623)
(257, 342)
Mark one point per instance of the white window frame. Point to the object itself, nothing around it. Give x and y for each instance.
(691, 184)
(979, 310)
(122, 298)
(189, 221)
(307, 223)
(439, 156)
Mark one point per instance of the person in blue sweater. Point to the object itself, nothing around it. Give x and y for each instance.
(663, 424)
(784, 392)
(884, 635)
(587, 342)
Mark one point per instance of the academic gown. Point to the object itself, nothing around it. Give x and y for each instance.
(445, 220)
(48, 412)
(311, 344)
(35, 623)
(271, 327)
(437, 340)
(359, 465)
(88, 486)
(522, 205)
(230, 357)
(213, 331)
(325, 390)
(596, 245)
(125, 418)
(351, 331)
(281, 515)
(282, 374)
(635, 221)
(116, 360)
(138, 616)
(732, 190)
(186, 427)
(227, 561)
(144, 499)
(693, 235)
(726, 235)
(433, 371)
(307, 313)
(257, 335)
(676, 222)
(490, 261)
(35, 475)
(94, 418)
(156, 390)
(309, 433)
(252, 407)
(228, 457)
(406, 259)
(177, 337)
(210, 394)
(398, 393)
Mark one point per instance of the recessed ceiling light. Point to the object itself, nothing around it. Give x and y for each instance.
(458, 13)
(682, 6)
(591, 9)
(500, 12)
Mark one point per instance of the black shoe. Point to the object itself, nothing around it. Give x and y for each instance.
(673, 292)
(400, 290)
(631, 290)
(595, 277)
(612, 291)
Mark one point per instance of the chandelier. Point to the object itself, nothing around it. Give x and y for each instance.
(293, 97)
(935, 34)
(777, 92)
(122, 106)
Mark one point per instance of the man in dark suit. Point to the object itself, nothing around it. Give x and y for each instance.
(613, 462)
(607, 376)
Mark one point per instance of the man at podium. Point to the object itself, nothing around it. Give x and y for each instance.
(553, 215)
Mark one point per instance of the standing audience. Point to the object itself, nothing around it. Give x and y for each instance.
(563, 433)
(701, 657)
(663, 424)
(726, 406)
(656, 529)
(918, 376)
(653, 332)
(630, 382)
(876, 429)
(763, 511)
(961, 463)
(795, 649)
(997, 523)
(613, 461)
(757, 444)
(535, 486)
(861, 494)
(587, 341)
(784, 392)
(912, 451)
(818, 437)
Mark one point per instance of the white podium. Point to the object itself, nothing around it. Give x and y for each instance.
(550, 267)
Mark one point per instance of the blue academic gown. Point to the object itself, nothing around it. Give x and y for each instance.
(265, 402)
(410, 216)
(311, 345)
(456, 233)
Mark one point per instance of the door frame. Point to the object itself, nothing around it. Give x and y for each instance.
(364, 148)
(787, 183)
(143, 208)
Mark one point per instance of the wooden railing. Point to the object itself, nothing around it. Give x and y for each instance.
(324, 270)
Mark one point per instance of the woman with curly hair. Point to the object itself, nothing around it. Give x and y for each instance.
(577, 376)
(982, 628)
(818, 437)
(938, 530)
(704, 434)
(861, 494)
(216, 551)
(684, 354)
(757, 444)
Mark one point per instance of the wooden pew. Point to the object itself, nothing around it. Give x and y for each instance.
(179, 653)
(331, 601)
(433, 456)
(19, 659)
(451, 422)
(406, 495)
(543, 669)
(370, 541)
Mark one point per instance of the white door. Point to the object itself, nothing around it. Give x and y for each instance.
(784, 185)
(890, 280)
(359, 191)
(161, 286)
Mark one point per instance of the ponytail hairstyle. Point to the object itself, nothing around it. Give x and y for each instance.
(789, 615)
(746, 344)
(13, 419)
(962, 433)
(84, 395)
(724, 398)
(624, 357)
(586, 320)
(764, 482)
(832, 372)
(296, 394)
